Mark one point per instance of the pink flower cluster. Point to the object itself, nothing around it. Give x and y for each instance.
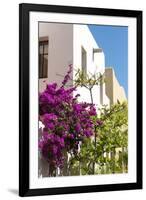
(66, 122)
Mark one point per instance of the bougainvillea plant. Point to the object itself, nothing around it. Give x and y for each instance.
(66, 122)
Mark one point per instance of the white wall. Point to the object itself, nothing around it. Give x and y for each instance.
(118, 90)
(83, 38)
(60, 52)
(64, 47)
(9, 100)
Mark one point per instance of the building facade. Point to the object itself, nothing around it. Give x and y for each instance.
(72, 44)
(113, 89)
(63, 44)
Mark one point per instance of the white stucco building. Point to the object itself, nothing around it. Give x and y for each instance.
(64, 44)
(113, 89)
(72, 44)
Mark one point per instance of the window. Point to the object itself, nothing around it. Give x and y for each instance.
(95, 51)
(84, 60)
(43, 57)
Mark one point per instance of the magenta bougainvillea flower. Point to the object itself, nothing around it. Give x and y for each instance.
(66, 122)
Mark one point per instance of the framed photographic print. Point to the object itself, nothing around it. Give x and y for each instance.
(80, 99)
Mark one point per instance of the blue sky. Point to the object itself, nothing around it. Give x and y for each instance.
(114, 42)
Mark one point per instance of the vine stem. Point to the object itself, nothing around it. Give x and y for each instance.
(91, 96)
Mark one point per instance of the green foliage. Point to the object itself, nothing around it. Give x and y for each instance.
(88, 80)
(114, 131)
(111, 135)
(98, 155)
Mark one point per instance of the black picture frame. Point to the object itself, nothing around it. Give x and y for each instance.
(24, 105)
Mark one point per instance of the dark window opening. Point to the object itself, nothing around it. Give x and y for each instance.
(43, 57)
(95, 51)
(84, 61)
